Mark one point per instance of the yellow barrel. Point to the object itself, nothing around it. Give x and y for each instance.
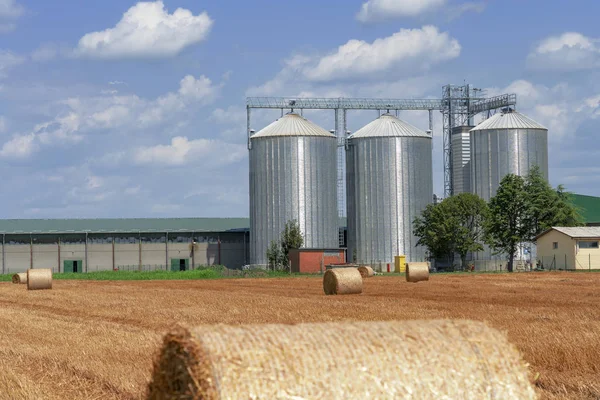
(400, 263)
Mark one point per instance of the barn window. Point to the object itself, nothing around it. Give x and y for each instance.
(555, 245)
(585, 244)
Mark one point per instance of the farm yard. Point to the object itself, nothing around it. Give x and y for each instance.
(97, 339)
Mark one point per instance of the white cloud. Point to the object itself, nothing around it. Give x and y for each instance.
(20, 146)
(233, 115)
(407, 53)
(147, 30)
(50, 51)
(10, 9)
(8, 60)
(84, 115)
(420, 48)
(377, 10)
(182, 151)
(569, 51)
(381, 10)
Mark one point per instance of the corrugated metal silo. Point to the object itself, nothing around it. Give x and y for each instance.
(507, 143)
(292, 176)
(461, 159)
(389, 182)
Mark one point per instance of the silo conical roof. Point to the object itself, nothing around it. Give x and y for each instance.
(292, 124)
(508, 120)
(388, 125)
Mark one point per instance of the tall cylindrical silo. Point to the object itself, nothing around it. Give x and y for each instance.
(507, 143)
(292, 177)
(389, 182)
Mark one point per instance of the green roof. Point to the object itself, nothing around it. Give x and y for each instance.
(115, 225)
(590, 207)
(123, 225)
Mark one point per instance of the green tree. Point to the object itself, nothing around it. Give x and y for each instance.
(508, 222)
(454, 225)
(291, 237)
(467, 213)
(275, 255)
(548, 207)
(434, 232)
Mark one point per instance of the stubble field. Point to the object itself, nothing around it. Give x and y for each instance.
(96, 340)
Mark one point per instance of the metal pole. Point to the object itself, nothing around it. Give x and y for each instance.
(245, 259)
(193, 252)
(589, 262)
(431, 121)
(3, 253)
(30, 251)
(248, 126)
(58, 245)
(566, 261)
(219, 242)
(140, 249)
(86, 252)
(113, 253)
(166, 251)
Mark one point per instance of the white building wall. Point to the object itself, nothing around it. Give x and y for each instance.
(17, 258)
(100, 256)
(127, 256)
(72, 252)
(154, 254)
(45, 256)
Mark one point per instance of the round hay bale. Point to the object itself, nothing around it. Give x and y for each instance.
(366, 271)
(20, 278)
(352, 360)
(417, 271)
(342, 281)
(38, 279)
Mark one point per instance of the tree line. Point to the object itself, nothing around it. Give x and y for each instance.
(522, 208)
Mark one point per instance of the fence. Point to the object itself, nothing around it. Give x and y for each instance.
(567, 262)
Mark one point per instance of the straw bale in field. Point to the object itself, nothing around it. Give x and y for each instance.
(417, 271)
(38, 279)
(438, 359)
(342, 281)
(366, 271)
(20, 278)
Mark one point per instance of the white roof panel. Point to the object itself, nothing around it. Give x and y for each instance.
(580, 231)
(509, 120)
(292, 124)
(388, 125)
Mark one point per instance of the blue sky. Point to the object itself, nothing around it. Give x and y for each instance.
(129, 109)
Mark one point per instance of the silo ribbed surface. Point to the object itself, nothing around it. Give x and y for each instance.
(506, 143)
(461, 159)
(389, 182)
(292, 176)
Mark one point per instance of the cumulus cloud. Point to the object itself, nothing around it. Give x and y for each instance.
(147, 30)
(377, 10)
(419, 48)
(20, 146)
(381, 10)
(569, 51)
(8, 60)
(182, 151)
(84, 115)
(407, 53)
(10, 9)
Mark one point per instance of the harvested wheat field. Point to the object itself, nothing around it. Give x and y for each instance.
(89, 339)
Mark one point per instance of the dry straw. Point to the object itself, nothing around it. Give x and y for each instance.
(365, 271)
(20, 278)
(417, 271)
(342, 281)
(440, 359)
(38, 279)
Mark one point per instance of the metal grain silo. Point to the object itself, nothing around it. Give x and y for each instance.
(292, 176)
(389, 182)
(506, 143)
(461, 159)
